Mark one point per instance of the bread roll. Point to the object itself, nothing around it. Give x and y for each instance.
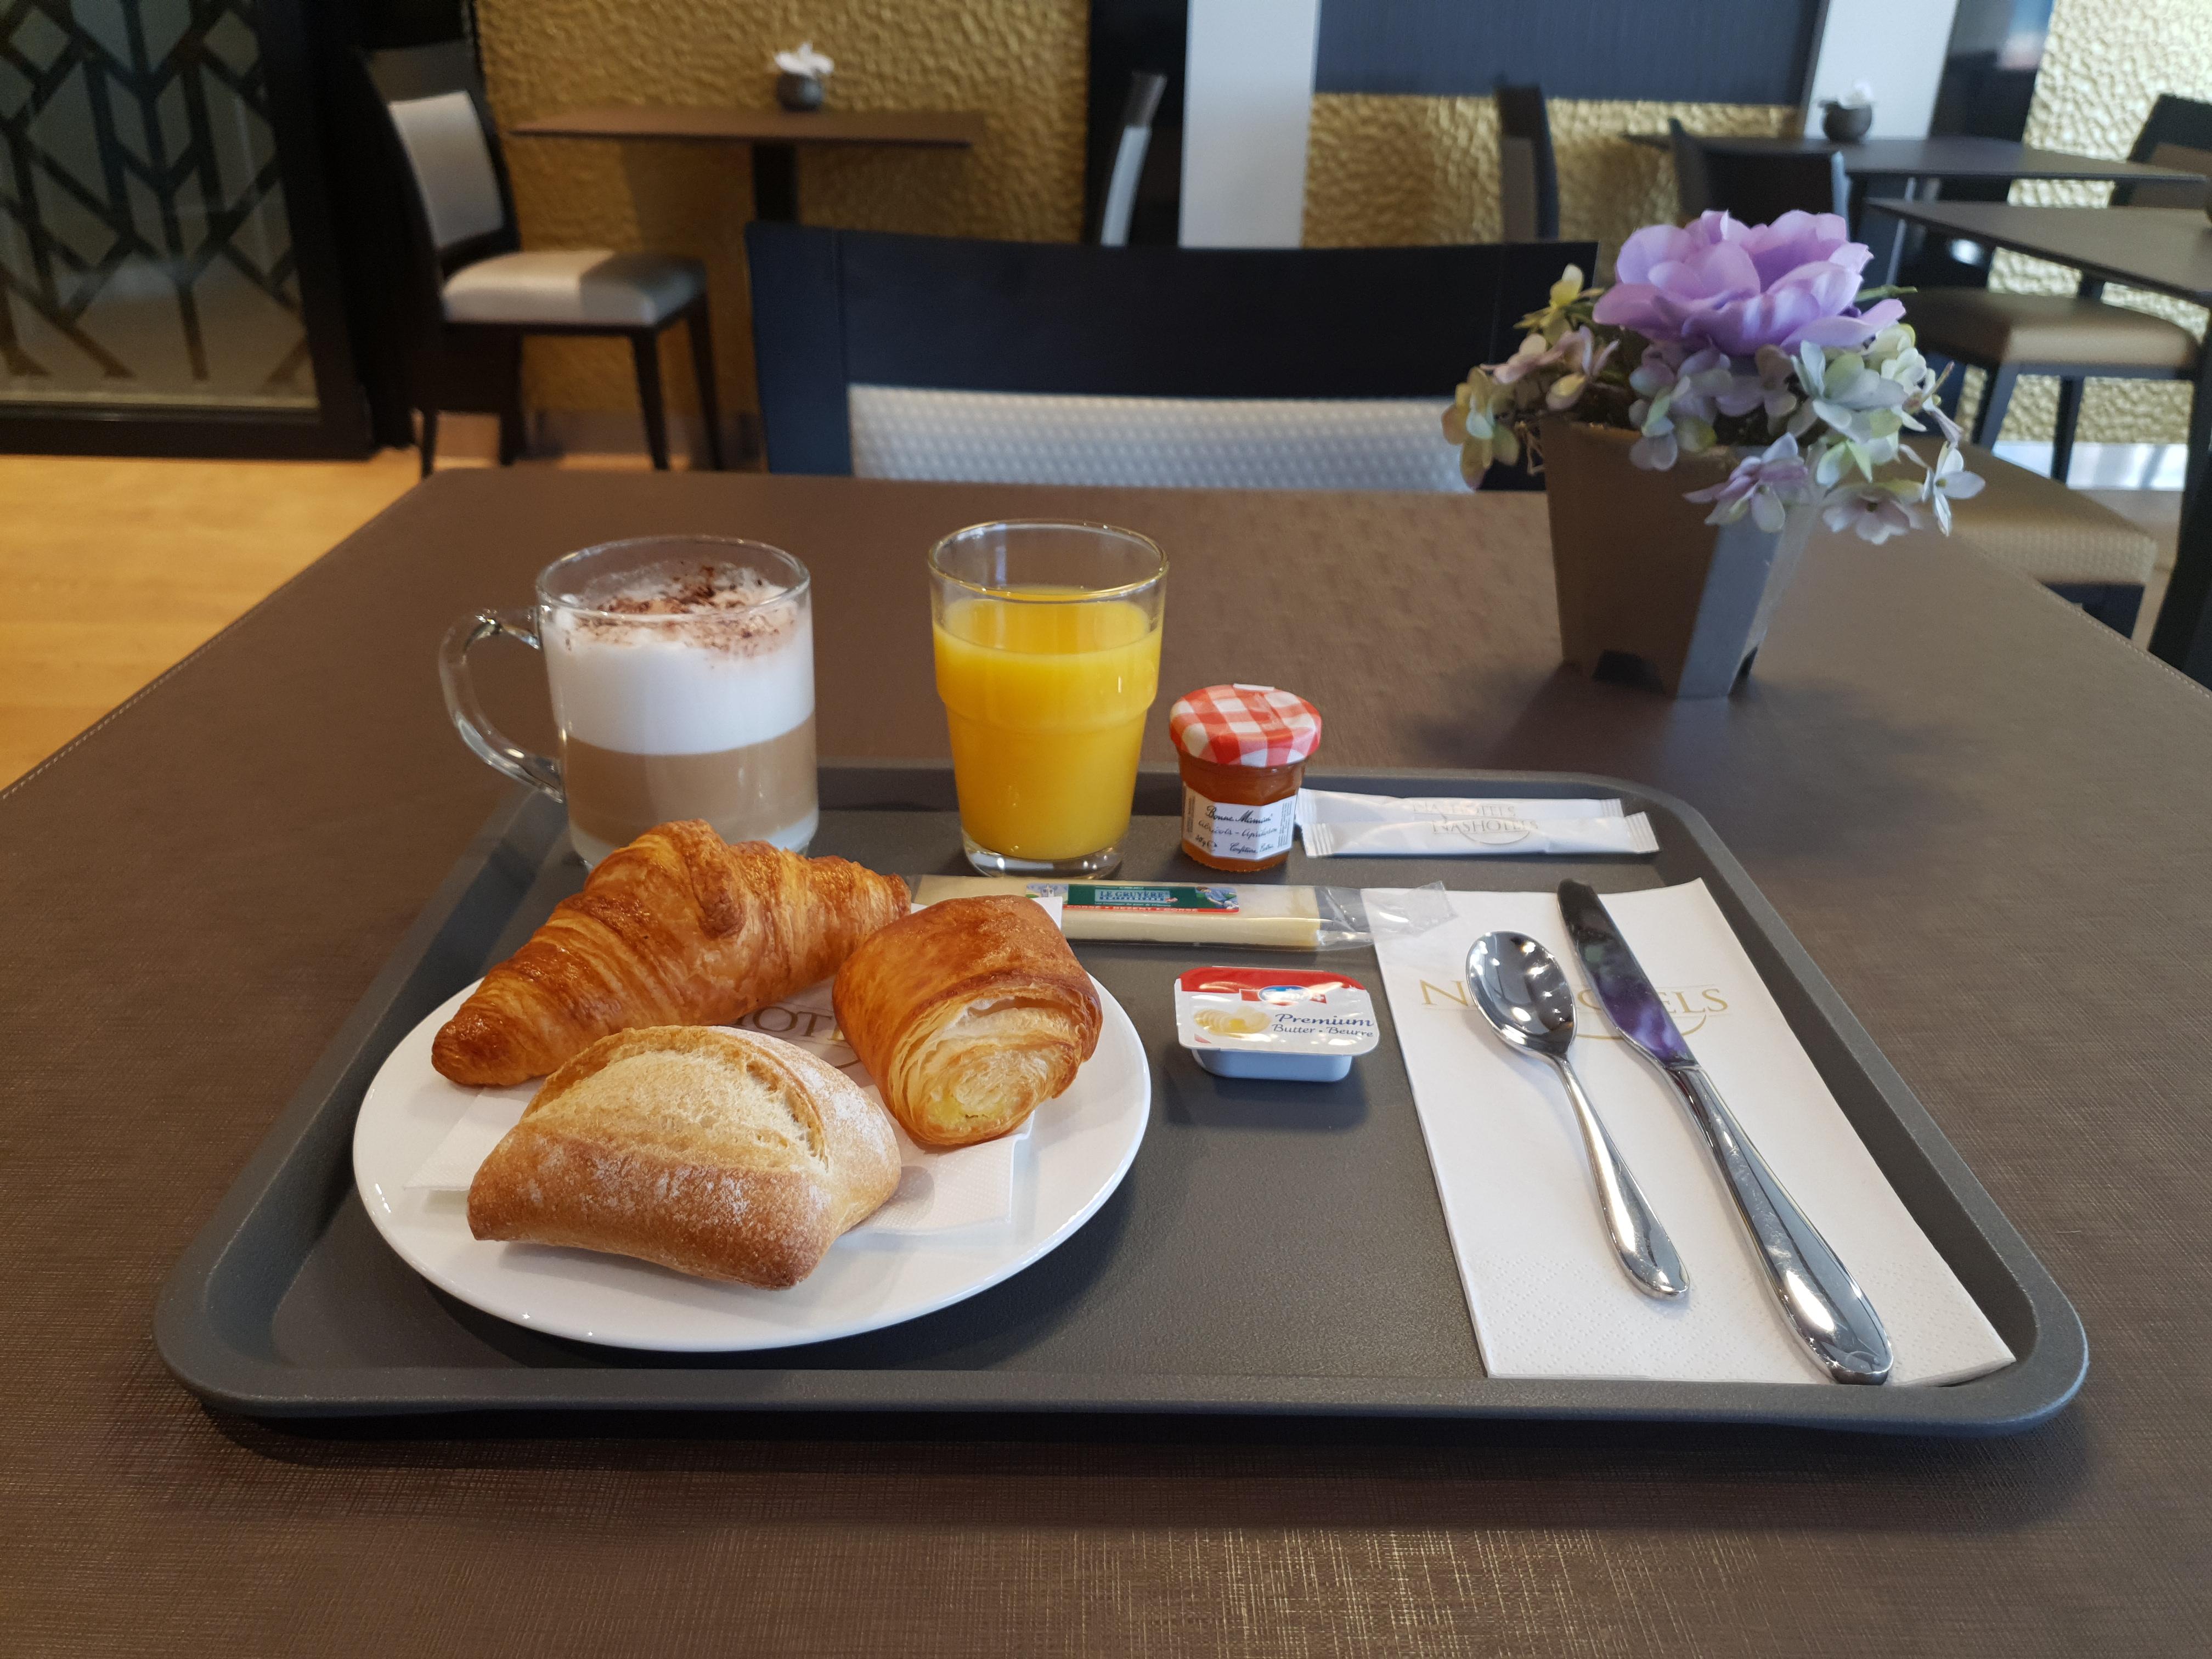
(722, 1153)
(970, 1014)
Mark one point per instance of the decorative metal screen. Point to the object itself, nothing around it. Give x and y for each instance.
(145, 254)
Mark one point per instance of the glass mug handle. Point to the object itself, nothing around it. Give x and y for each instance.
(492, 746)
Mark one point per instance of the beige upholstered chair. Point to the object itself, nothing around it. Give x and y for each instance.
(2078, 337)
(2079, 548)
(480, 292)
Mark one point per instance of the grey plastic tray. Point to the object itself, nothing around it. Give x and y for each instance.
(1276, 1248)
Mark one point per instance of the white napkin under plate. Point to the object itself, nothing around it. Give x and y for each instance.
(1547, 1296)
(938, 1190)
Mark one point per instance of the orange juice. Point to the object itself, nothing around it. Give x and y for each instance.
(1047, 701)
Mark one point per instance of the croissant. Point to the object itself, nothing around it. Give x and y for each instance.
(677, 928)
(970, 1014)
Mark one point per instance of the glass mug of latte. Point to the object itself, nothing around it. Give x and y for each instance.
(682, 670)
(1048, 643)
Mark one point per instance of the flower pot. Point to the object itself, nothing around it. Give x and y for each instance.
(1647, 588)
(798, 93)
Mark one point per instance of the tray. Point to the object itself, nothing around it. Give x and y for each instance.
(1276, 1249)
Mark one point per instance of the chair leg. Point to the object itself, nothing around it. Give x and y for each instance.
(2062, 436)
(1996, 392)
(703, 369)
(428, 443)
(645, 348)
(2200, 430)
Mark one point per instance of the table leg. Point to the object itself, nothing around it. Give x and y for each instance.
(2182, 635)
(1883, 233)
(776, 182)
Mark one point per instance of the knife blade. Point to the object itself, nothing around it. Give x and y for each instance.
(1819, 1298)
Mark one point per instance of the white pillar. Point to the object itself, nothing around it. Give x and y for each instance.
(1248, 101)
(1896, 47)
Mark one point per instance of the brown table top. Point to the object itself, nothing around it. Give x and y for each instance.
(1944, 155)
(926, 127)
(2166, 250)
(1988, 818)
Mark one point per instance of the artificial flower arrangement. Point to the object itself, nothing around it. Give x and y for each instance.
(1757, 338)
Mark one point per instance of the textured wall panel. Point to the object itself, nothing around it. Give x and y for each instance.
(1391, 170)
(2105, 64)
(1019, 61)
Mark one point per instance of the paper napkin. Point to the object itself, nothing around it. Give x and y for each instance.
(1548, 1296)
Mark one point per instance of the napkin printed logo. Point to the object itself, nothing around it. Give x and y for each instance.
(1692, 1006)
(814, 1029)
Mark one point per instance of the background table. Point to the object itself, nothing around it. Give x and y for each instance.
(775, 136)
(2162, 251)
(1989, 819)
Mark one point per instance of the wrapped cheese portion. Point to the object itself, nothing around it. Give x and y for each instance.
(1264, 915)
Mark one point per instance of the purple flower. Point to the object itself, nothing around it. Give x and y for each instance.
(1876, 511)
(1734, 287)
(1761, 484)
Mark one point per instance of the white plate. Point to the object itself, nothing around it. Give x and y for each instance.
(1078, 1149)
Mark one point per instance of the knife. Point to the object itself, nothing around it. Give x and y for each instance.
(1820, 1299)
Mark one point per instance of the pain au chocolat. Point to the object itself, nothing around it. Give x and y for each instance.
(970, 1014)
(677, 928)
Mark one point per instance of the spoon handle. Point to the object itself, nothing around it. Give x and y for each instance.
(1647, 1255)
(1821, 1300)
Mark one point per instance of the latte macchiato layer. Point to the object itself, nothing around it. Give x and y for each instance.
(685, 696)
(761, 791)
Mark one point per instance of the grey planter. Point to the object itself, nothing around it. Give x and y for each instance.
(1647, 589)
(798, 93)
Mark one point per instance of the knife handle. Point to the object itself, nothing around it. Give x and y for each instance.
(1821, 1300)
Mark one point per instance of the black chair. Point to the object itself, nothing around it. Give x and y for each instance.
(834, 311)
(1692, 193)
(1527, 175)
(1114, 208)
(1759, 187)
(2080, 338)
(475, 295)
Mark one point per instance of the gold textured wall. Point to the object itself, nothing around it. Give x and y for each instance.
(1396, 169)
(2106, 63)
(1021, 62)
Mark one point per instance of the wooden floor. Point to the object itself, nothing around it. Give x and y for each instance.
(116, 569)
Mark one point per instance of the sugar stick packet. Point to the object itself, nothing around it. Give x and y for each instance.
(1336, 824)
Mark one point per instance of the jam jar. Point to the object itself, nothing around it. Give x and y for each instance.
(1244, 750)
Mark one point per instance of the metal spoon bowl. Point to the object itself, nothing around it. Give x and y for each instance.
(1524, 993)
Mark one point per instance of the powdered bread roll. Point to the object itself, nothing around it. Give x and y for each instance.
(970, 1014)
(722, 1153)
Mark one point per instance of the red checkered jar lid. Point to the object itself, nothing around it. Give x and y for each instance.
(1244, 726)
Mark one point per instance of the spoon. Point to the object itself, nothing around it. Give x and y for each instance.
(1525, 995)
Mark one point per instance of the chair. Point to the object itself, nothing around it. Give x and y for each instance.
(2078, 338)
(476, 294)
(1145, 89)
(918, 356)
(1692, 193)
(2080, 548)
(1757, 186)
(1528, 176)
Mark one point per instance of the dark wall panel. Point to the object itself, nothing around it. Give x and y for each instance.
(1719, 52)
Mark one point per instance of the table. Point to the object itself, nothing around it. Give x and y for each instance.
(775, 136)
(1901, 164)
(2162, 251)
(1943, 156)
(1988, 819)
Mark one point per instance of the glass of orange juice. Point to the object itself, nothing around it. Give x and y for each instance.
(1047, 658)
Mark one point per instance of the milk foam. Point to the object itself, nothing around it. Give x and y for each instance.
(699, 682)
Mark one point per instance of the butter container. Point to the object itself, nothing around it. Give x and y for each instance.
(1296, 1025)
